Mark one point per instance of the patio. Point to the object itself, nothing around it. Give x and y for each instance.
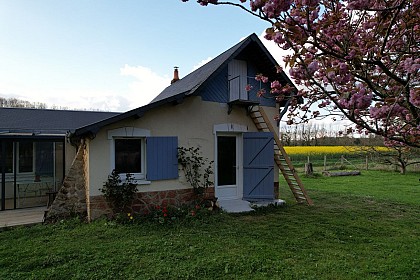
(28, 216)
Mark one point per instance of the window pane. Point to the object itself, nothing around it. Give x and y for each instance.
(8, 157)
(26, 156)
(128, 155)
(44, 158)
(226, 160)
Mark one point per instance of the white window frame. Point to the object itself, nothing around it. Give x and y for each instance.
(130, 133)
(142, 174)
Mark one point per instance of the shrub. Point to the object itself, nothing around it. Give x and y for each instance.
(197, 169)
(118, 193)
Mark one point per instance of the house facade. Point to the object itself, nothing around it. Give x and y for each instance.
(210, 109)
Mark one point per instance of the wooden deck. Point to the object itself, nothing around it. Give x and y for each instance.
(28, 216)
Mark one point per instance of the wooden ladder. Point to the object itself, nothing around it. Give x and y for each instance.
(262, 122)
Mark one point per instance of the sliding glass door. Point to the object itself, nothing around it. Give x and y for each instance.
(29, 170)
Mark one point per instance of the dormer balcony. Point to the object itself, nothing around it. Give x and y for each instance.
(243, 92)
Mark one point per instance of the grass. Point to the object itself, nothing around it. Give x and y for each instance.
(362, 227)
(377, 185)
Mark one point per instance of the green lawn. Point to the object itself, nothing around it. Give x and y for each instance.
(362, 227)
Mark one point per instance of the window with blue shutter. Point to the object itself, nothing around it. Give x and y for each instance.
(258, 165)
(161, 158)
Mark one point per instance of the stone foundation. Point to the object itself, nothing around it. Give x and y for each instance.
(145, 202)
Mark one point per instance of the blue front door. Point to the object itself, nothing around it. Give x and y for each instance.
(258, 165)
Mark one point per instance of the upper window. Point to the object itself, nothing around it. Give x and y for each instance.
(129, 156)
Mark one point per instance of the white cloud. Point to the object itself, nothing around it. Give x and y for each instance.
(123, 96)
(72, 99)
(147, 84)
(201, 63)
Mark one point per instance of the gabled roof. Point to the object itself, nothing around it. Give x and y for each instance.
(41, 121)
(250, 49)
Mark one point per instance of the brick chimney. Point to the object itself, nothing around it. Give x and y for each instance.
(176, 75)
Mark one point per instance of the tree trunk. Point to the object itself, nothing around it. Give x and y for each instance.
(403, 168)
(309, 169)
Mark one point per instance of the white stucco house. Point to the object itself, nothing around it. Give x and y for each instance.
(209, 108)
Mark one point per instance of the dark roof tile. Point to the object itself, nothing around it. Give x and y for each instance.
(23, 120)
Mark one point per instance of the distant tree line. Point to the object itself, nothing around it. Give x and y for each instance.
(18, 103)
(311, 134)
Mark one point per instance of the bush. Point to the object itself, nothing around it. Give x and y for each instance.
(118, 193)
(197, 169)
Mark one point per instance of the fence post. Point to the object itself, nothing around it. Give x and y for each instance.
(325, 162)
(367, 163)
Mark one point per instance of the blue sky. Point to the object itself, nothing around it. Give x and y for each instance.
(110, 55)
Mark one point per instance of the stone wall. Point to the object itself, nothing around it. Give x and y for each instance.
(145, 202)
(71, 197)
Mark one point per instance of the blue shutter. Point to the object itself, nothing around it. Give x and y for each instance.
(161, 158)
(258, 165)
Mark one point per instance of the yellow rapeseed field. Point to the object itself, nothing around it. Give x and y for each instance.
(318, 150)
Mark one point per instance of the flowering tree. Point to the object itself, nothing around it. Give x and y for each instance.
(357, 59)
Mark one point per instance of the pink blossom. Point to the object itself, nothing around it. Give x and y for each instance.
(262, 78)
(313, 66)
(256, 4)
(275, 87)
(359, 4)
(411, 66)
(331, 75)
(415, 97)
(278, 38)
(279, 69)
(261, 92)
